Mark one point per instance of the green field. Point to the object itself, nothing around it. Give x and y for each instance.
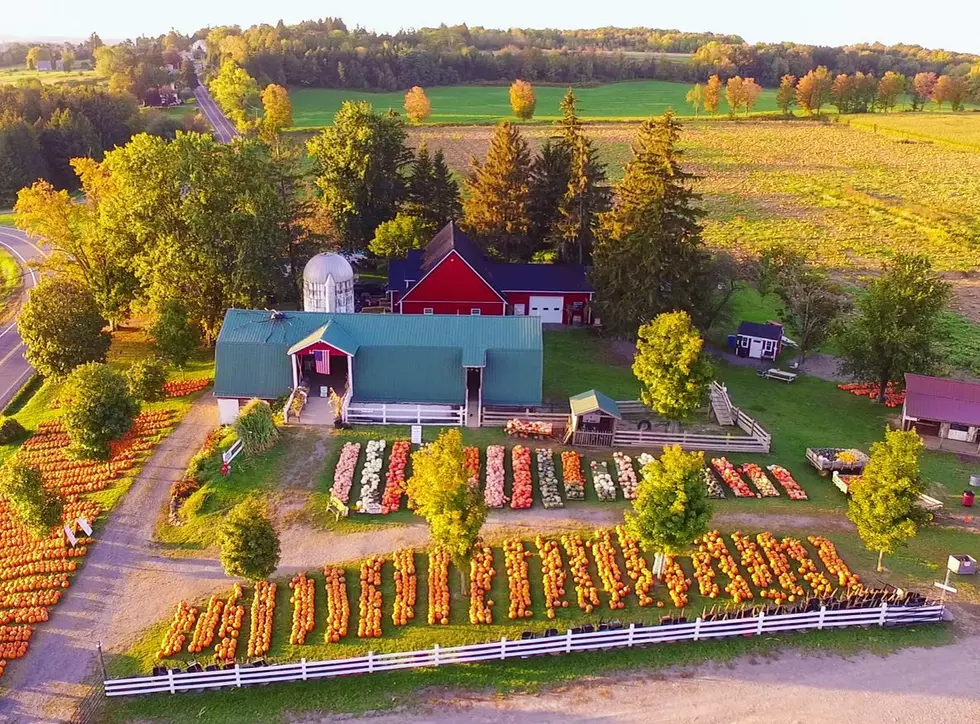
(636, 100)
(183, 110)
(961, 129)
(9, 279)
(6, 219)
(13, 75)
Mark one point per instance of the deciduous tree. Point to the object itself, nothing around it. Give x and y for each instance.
(145, 378)
(648, 255)
(98, 408)
(359, 162)
(417, 106)
(712, 95)
(890, 87)
(38, 508)
(235, 91)
(751, 92)
(394, 239)
(671, 508)
(842, 93)
(522, 99)
(952, 88)
(248, 541)
(734, 94)
(61, 327)
(786, 94)
(922, 87)
(442, 494)
(884, 502)
(671, 366)
(175, 337)
(497, 202)
(896, 327)
(813, 90)
(188, 76)
(277, 114)
(695, 97)
(21, 160)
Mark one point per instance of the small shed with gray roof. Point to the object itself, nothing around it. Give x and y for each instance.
(943, 408)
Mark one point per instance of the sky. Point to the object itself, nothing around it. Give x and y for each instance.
(821, 22)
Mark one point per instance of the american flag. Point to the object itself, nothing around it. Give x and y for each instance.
(322, 359)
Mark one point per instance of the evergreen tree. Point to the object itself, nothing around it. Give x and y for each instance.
(432, 194)
(586, 195)
(550, 172)
(497, 208)
(65, 136)
(648, 256)
(21, 160)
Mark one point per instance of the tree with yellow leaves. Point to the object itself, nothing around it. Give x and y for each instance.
(417, 106)
(522, 99)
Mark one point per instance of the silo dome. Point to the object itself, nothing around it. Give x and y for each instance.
(328, 284)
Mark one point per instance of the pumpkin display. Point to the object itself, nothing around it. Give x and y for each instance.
(785, 479)
(471, 459)
(369, 602)
(759, 479)
(338, 606)
(578, 563)
(636, 567)
(602, 481)
(731, 478)
(818, 582)
(571, 475)
(176, 634)
(263, 609)
(371, 474)
(302, 599)
(677, 583)
(547, 479)
(780, 566)
(230, 627)
(180, 388)
(752, 560)
(835, 565)
(343, 474)
(493, 492)
(626, 474)
(207, 625)
(522, 490)
(481, 579)
(406, 584)
(518, 583)
(439, 587)
(604, 555)
(713, 543)
(391, 499)
(553, 575)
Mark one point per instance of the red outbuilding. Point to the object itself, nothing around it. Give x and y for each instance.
(451, 276)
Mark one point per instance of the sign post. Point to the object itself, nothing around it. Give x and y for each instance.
(944, 587)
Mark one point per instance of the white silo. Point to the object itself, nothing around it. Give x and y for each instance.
(328, 284)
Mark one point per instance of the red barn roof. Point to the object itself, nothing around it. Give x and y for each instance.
(944, 400)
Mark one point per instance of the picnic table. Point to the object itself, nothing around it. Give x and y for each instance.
(776, 374)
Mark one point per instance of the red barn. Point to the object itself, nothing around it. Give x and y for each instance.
(451, 276)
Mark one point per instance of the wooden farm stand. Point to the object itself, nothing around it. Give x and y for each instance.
(594, 419)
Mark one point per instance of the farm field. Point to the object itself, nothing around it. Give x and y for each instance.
(464, 105)
(962, 129)
(13, 75)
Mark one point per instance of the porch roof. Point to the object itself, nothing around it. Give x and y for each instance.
(586, 402)
(331, 334)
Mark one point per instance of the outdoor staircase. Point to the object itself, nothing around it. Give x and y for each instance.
(721, 405)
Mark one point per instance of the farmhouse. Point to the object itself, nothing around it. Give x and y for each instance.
(942, 408)
(451, 276)
(759, 341)
(385, 368)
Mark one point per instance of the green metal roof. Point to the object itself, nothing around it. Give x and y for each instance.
(330, 333)
(591, 401)
(396, 358)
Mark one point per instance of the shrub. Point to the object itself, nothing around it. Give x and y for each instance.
(175, 334)
(11, 431)
(256, 427)
(249, 542)
(98, 409)
(61, 327)
(145, 379)
(38, 508)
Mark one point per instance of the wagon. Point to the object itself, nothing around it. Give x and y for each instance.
(827, 460)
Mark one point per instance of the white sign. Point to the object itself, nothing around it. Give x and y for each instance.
(83, 524)
(416, 434)
(70, 536)
(232, 452)
(592, 417)
(944, 587)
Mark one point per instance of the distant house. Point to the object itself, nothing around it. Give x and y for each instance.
(199, 48)
(759, 341)
(942, 408)
(45, 66)
(451, 276)
(382, 365)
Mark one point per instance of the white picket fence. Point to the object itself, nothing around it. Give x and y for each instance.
(362, 413)
(569, 642)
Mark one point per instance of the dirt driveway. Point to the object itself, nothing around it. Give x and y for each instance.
(914, 685)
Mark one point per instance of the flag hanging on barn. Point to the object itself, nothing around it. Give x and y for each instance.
(322, 359)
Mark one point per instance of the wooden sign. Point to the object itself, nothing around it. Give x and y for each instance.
(416, 434)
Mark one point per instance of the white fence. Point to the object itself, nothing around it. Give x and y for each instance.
(569, 642)
(711, 443)
(499, 418)
(401, 414)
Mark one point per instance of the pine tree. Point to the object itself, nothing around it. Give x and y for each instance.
(498, 204)
(549, 184)
(586, 195)
(432, 194)
(648, 256)
(446, 203)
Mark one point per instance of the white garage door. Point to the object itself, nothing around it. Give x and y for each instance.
(548, 308)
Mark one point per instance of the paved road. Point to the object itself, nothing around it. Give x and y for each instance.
(14, 369)
(62, 664)
(224, 130)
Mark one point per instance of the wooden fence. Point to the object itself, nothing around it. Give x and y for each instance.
(380, 413)
(237, 676)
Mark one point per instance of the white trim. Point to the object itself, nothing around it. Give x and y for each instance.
(541, 293)
(475, 312)
(436, 266)
(428, 310)
(293, 360)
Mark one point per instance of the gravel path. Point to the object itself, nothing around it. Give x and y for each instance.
(125, 583)
(910, 686)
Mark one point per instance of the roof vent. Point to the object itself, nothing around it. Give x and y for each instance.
(277, 316)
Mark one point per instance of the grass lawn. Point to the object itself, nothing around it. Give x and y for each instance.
(960, 129)
(7, 219)
(19, 73)
(184, 109)
(464, 105)
(9, 279)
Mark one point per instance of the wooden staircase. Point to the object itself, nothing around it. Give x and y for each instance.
(721, 405)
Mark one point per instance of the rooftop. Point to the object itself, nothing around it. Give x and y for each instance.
(945, 400)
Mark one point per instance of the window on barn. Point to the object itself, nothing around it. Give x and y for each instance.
(427, 310)
(475, 312)
(744, 341)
